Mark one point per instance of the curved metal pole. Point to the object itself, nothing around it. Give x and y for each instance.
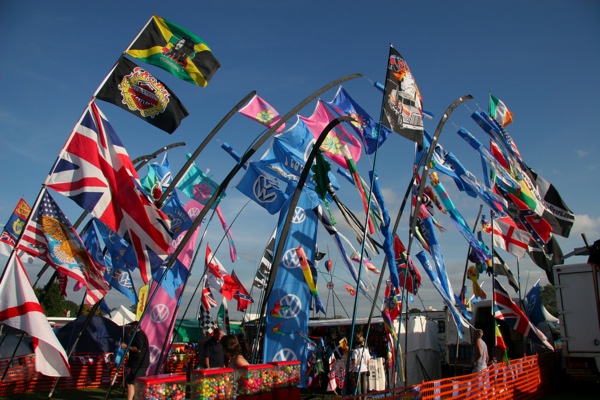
(424, 176)
(246, 156)
(201, 147)
(286, 225)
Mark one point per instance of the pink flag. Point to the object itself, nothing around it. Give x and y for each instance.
(510, 238)
(20, 309)
(261, 111)
(338, 136)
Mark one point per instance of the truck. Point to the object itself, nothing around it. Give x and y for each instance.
(578, 303)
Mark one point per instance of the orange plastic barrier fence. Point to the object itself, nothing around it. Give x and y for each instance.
(525, 378)
(87, 371)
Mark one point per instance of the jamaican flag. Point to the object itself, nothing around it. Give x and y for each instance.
(174, 49)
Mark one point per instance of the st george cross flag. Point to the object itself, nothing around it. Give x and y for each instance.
(20, 309)
(217, 276)
(50, 236)
(241, 295)
(509, 237)
(95, 171)
(260, 111)
(403, 106)
(499, 111)
(176, 50)
(338, 136)
(135, 90)
(508, 311)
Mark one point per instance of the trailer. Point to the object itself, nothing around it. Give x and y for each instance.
(577, 299)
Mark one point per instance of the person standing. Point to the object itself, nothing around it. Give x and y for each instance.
(213, 351)
(139, 357)
(360, 365)
(481, 357)
(232, 351)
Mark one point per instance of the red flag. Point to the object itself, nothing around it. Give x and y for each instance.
(413, 277)
(95, 171)
(20, 309)
(50, 236)
(217, 276)
(242, 296)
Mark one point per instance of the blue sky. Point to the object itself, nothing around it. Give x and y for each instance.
(540, 57)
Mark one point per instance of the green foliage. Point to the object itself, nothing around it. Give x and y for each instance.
(548, 296)
(53, 304)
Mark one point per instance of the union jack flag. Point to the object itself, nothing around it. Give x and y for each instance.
(509, 312)
(208, 300)
(95, 171)
(50, 236)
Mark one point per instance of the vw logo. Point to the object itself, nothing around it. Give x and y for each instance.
(308, 148)
(159, 313)
(299, 215)
(262, 190)
(154, 354)
(193, 212)
(290, 259)
(294, 306)
(123, 278)
(285, 354)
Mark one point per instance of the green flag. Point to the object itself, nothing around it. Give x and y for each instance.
(176, 50)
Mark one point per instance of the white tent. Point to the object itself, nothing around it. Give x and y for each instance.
(423, 350)
(122, 316)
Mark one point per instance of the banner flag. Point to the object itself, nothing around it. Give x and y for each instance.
(135, 90)
(403, 106)
(288, 306)
(262, 112)
(176, 50)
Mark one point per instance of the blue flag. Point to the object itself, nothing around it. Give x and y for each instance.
(365, 126)
(288, 306)
(263, 187)
(533, 305)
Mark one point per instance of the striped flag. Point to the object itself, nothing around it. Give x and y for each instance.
(50, 236)
(499, 111)
(95, 171)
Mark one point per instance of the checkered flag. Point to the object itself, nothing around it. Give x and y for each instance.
(207, 324)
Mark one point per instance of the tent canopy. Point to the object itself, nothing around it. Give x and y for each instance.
(100, 336)
(122, 316)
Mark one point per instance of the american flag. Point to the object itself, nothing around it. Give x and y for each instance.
(49, 236)
(508, 311)
(95, 171)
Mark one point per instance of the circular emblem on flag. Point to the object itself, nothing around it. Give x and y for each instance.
(154, 354)
(262, 190)
(285, 354)
(299, 215)
(144, 93)
(123, 278)
(159, 313)
(176, 223)
(291, 306)
(330, 285)
(290, 259)
(193, 212)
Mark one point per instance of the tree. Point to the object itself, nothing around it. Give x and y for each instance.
(548, 296)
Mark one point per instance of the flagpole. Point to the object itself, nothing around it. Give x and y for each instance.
(287, 222)
(201, 147)
(246, 156)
